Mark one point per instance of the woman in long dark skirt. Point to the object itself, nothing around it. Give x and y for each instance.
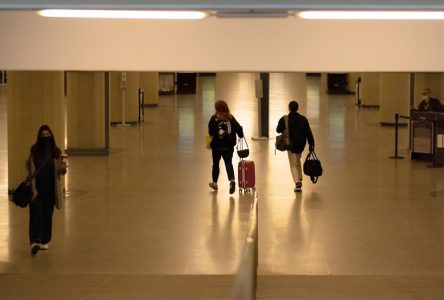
(45, 158)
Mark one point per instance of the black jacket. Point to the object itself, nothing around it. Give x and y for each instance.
(299, 130)
(224, 133)
(433, 105)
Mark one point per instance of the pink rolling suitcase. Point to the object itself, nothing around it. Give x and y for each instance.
(246, 176)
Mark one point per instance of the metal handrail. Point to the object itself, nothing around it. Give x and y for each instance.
(246, 278)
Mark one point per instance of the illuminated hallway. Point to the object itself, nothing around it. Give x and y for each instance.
(142, 222)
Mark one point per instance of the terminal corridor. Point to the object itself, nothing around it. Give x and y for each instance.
(142, 223)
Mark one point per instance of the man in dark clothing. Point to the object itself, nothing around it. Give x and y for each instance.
(300, 132)
(428, 103)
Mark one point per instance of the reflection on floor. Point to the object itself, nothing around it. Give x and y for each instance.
(142, 223)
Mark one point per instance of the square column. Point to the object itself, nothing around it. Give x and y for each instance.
(88, 113)
(34, 99)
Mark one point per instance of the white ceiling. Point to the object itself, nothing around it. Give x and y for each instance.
(31, 42)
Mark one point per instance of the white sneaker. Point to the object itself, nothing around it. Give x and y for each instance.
(44, 246)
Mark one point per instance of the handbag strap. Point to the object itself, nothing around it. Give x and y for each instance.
(309, 156)
(314, 155)
(39, 169)
(240, 144)
(286, 133)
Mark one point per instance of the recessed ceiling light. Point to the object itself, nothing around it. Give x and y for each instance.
(122, 14)
(372, 15)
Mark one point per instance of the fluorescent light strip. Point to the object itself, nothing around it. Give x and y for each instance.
(122, 14)
(372, 15)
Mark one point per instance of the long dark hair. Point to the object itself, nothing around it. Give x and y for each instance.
(37, 148)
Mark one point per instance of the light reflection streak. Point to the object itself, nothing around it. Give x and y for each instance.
(4, 211)
(238, 90)
(285, 87)
(186, 118)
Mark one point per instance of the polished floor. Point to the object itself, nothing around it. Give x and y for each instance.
(143, 224)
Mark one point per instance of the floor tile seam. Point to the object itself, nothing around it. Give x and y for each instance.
(158, 276)
(340, 276)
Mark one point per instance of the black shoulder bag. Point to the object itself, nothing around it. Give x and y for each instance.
(22, 195)
(283, 142)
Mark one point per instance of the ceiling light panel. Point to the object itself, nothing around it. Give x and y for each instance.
(372, 15)
(122, 14)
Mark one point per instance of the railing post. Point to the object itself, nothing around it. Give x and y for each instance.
(434, 141)
(396, 139)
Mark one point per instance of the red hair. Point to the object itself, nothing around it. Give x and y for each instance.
(222, 110)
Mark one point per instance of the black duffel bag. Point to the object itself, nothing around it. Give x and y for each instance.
(312, 166)
(22, 195)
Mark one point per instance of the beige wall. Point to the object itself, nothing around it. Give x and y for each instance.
(34, 99)
(394, 96)
(352, 77)
(149, 82)
(86, 110)
(370, 86)
(131, 97)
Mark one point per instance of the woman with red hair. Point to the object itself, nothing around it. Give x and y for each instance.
(223, 127)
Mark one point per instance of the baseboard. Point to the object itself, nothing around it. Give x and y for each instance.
(389, 124)
(113, 123)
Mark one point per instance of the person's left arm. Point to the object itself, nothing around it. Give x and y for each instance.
(63, 164)
(237, 128)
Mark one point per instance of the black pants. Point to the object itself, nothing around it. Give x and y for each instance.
(227, 155)
(40, 219)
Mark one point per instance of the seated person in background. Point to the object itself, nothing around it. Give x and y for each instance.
(428, 103)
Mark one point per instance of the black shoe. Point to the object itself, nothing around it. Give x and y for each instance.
(232, 187)
(213, 185)
(34, 249)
